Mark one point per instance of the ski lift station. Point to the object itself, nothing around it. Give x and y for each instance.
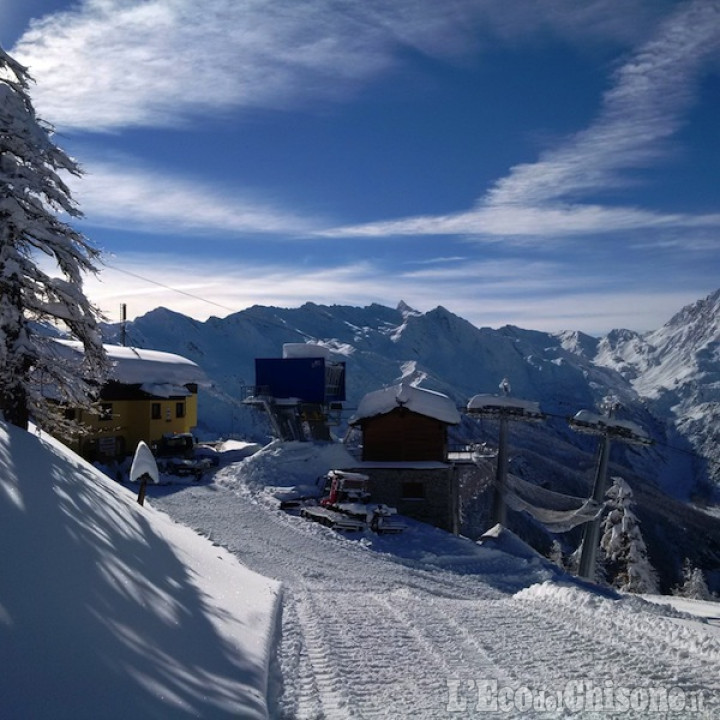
(299, 391)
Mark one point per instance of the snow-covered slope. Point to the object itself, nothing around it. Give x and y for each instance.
(110, 610)
(426, 625)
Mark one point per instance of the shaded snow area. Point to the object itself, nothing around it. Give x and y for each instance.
(110, 610)
(428, 625)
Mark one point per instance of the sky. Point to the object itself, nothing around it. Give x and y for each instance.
(551, 164)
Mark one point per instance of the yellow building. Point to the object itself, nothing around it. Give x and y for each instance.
(149, 395)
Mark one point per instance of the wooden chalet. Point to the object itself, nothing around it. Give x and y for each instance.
(405, 452)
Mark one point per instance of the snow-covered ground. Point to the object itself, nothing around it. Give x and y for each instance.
(427, 625)
(110, 610)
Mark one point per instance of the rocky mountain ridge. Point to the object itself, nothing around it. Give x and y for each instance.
(668, 380)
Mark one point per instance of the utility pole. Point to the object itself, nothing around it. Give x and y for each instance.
(123, 323)
(609, 428)
(505, 409)
(499, 514)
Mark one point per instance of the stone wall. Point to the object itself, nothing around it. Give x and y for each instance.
(425, 494)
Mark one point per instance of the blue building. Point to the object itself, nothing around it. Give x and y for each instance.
(300, 391)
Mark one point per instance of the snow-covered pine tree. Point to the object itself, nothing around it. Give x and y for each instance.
(693, 584)
(556, 554)
(626, 561)
(32, 194)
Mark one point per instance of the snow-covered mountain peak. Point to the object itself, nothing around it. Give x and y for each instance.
(404, 309)
(692, 329)
(578, 343)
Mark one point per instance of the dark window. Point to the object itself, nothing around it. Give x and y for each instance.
(106, 411)
(155, 411)
(413, 491)
(180, 410)
(70, 414)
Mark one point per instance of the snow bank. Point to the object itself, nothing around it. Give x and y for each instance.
(289, 464)
(111, 610)
(500, 538)
(561, 594)
(418, 400)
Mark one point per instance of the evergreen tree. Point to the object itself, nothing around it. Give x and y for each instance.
(693, 584)
(556, 554)
(626, 561)
(32, 194)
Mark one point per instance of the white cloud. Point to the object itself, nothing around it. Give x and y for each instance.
(108, 64)
(119, 195)
(539, 295)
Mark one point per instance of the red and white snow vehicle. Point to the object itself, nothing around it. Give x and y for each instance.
(347, 506)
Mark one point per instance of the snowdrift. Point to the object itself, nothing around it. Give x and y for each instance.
(111, 610)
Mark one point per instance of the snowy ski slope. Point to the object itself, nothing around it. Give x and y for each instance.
(425, 625)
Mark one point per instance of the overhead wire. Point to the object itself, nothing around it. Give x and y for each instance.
(198, 297)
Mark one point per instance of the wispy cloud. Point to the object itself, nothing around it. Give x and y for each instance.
(108, 64)
(651, 94)
(503, 221)
(645, 107)
(126, 196)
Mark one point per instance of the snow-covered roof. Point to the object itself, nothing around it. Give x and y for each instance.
(418, 400)
(305, 350)
(586, 418)
(135, 365)
(479, 403)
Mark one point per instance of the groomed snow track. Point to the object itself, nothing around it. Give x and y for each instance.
(367, 635)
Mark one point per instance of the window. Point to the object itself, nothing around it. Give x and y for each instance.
(413, 491)
(180, 410)
(155, 411)
(106, 412)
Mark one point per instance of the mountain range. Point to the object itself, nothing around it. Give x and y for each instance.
(667, 381)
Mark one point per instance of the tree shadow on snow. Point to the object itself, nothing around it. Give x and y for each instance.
(115, 626)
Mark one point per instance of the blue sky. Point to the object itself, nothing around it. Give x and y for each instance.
(551, 164)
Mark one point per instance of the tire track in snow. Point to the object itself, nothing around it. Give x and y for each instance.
(389, 670)
(330, 685)
(620, 640)
(431, 622)
(367, 635)
(300, 699)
